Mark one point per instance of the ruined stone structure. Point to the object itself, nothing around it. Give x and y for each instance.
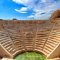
(55, 15)
(17, 36)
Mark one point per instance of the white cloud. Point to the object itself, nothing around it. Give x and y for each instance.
(44, 0)
(31, 16)
(39, 16)
(40, 9)
(21, 1)
(22, 10)
(43, 13)
(24, 2)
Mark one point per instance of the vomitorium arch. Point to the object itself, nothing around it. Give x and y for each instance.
(17, 36)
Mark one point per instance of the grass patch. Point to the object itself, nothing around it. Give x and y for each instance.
(30, 56)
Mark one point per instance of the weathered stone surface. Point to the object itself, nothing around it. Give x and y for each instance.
(6, 59)
(55, 15)
(17, 36)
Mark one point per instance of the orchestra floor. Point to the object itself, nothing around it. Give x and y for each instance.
(30, 56)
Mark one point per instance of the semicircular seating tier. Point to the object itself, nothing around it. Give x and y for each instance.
(18, 36)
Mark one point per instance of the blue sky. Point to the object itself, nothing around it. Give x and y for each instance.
(28, 9)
